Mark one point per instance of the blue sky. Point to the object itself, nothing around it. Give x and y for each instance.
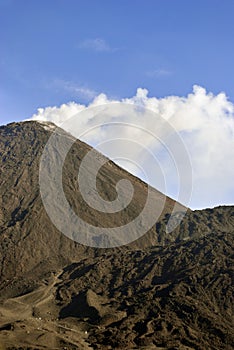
(56, 51)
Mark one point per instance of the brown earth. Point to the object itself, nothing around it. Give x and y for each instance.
(163, 291)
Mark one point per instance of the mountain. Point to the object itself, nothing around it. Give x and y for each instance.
(162, 291)
(29, 239)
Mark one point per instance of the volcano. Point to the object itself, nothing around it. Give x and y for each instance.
(164, 289)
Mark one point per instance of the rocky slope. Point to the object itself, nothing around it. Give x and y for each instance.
(163, 291)
(28, 238)
(178, 296)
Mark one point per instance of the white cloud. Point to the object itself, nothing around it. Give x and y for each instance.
(156, 73)
(74, 89)
(97, 44)
(204, 120)
(59, 114)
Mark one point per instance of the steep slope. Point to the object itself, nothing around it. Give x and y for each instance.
(28, 240)
(163, 291)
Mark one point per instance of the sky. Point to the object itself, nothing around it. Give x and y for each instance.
(174, 55)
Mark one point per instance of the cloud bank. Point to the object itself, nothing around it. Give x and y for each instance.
(205, 122)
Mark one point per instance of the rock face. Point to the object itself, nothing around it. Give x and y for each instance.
(163, 291)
